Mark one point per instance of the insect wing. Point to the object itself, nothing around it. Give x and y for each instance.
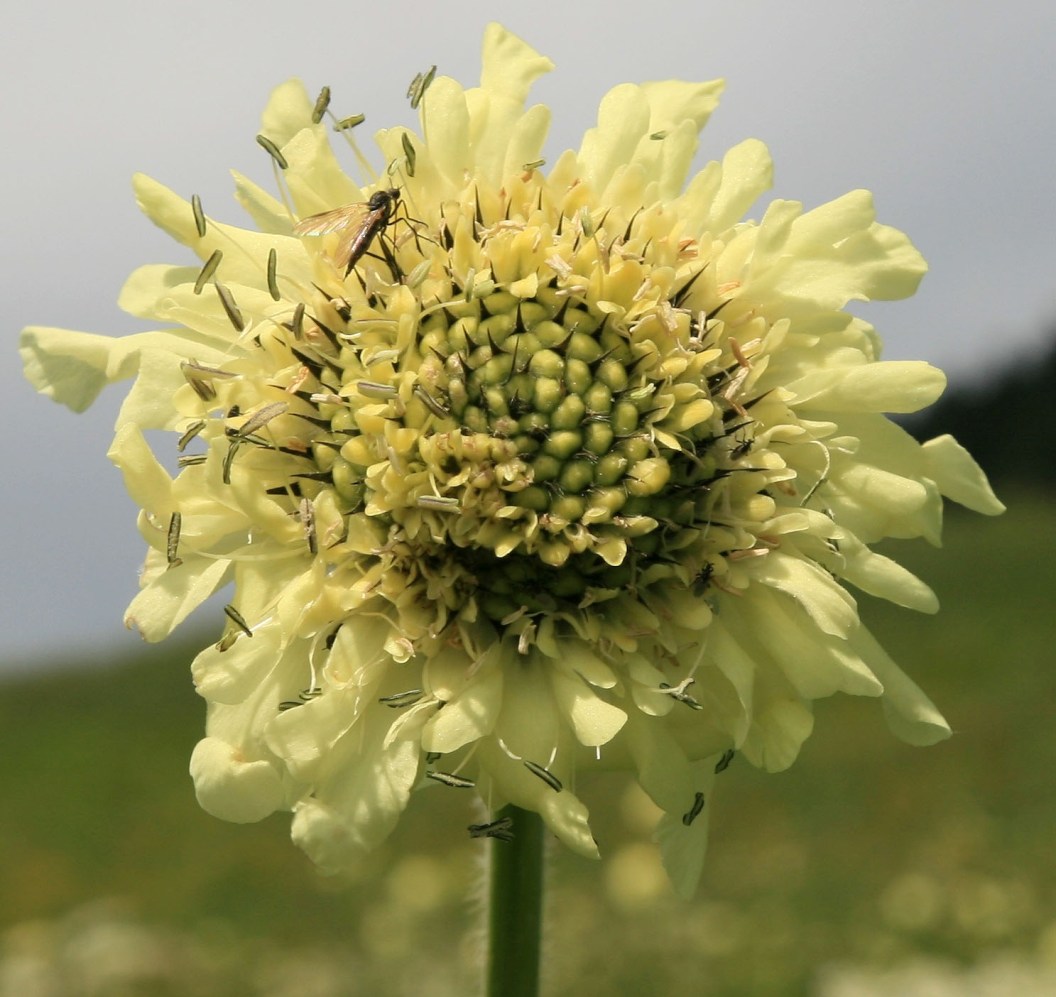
(357, 224)
(331, 221)
(350, 222)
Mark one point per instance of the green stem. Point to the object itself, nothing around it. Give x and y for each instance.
(515, 907)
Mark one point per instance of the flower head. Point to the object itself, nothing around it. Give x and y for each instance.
(518, 471)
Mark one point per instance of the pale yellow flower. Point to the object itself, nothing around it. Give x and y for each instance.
(557, 469)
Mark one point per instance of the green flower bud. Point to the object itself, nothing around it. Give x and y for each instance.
(569, 507)
(582, 346)
(563, 443)
(648, 476)
(611, 468)
(597, 437)
(548, 364)
(624, 418)
(612, 374)
(578, 377)
(533, 497)
(545, 467)
(577, 476)
(569, 413)
(598, 398)
(547, 394)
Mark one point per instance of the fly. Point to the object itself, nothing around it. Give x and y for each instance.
(357, 225)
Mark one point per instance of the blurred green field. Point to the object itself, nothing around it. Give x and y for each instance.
(867, 854)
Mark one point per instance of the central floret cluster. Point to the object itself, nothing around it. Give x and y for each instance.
(552, 445)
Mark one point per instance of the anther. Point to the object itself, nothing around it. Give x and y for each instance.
(173, 540)
(261, 418)
(322, 102)
(408, 152)
(398, 700)
(199, 215)
(233, 314)
(545, 774)
(449, 779)
(418, 86)
(208, 269)
(189, 434)
(694, 811)
(501, 829)
(307, 515)
(345, 124)
(274, 151)
(236, 617)
(273, 286)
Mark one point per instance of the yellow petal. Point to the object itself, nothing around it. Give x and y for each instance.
(171, 597)
(890, 386)
(232, 788)
(908, 711)
(593, 720)
(828, 605)
(959, 477)
(472, 713)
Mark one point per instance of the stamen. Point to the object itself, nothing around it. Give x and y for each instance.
(409, 153)
(236, 617)
(420, 83)
(502, 829)
(345, 124)
(199, 215)
(307, 514)
(202, 388)
(438, 502)
(226, 642)
(261, 418)
(322, 102)
(398, 700)
(545, 774)
(229, 459)
(417, 276)
(208, 269)
(274, 151)
(233, 314)
(694, 811)
(738, 353)
(297, 322)
(189, 434)
(273, 286)
(429, 402)
(526, 638)
(173, 540)
(449, 779)
(679, 693)
(372, 389)
(586, 222)
(326, 398)
(373, 354)
(304, 696)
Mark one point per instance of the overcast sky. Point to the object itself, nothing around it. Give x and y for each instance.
(943, 109)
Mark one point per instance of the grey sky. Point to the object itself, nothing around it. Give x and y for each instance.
(943, 109)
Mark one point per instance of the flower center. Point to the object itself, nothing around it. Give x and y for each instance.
(536, 416)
